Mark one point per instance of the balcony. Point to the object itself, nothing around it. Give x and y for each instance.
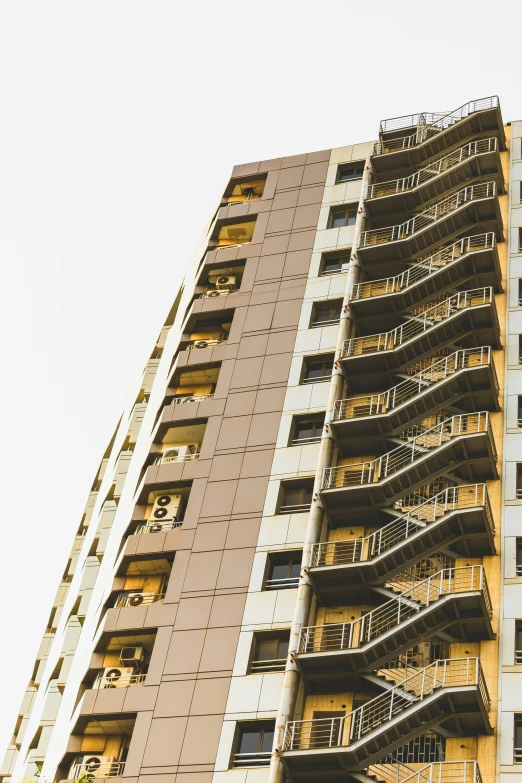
(458, 517)
(468, 318)
(462, 445)
(434, 133)
(95, 768)
(135, 598)
(118, 680)
(153, 526)
(450, 692)
(473, 205)
(478, 158)
(472, 258)
(466, 376)
(207, 342)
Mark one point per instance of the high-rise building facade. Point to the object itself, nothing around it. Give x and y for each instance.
(301, 557)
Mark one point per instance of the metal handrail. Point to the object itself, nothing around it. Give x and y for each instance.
(364, 405)
(428, 124)
(379, 236)
(282, 584)
(425, 267)
(122, 682)
(375, 470)
(268, 665)
(417, 595)
(358, 550)
(433, 169)
(107, 769)
(434, 772)
(259, 759)
(124, 599)
(193, 398)
(387, 341)
(342, 731)
(210, 343)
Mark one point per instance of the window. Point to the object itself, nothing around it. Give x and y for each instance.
(318, 368)
(520, 348)
(254, 744)
(335, 263)
(519, 411)
(325, 313)
(350, 171)
(269, 652)
(283, 570)
(343, 216)
(307, 429)
(520, 240)
(517, 750)
(296, 496)
(519, 556)
(518, 641)
(519, 480)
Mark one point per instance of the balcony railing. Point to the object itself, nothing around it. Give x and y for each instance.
(380, 468)
(434, 169)
(426, 266)
(428, 124)
(192, 398)
(137, 599)
(342, 731)
(358, 550)
(260, 759)
(158, 527)
(282, 584)
(218, 292)
(204, 343)
(387, 341)
(106, 769)
(421, 593)
(435, 772)
(383, 402)
(179, 458)
(124, 681)
(274, 665)
(379, 236)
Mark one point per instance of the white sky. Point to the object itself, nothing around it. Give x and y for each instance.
(119, 124)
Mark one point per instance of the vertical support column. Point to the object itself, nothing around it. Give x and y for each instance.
(315, 522)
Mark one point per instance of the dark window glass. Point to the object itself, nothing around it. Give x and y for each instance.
(307, 430)
(349, 172)
(517, 754)
(518, 641)
(254, 745)
(318, 368)
(519, 480)
(295, 499)
(340, 218)
(333, 265)
(283, 571)
(327, 313)
(520, 240)
(519, 412)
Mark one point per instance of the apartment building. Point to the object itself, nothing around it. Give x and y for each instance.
(289, 564)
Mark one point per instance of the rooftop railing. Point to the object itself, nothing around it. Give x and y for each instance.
(426, 266)
(342, 731)
(420, 593)
(428, 124)
(387, 341)
(379, 236)
(359, 550)
(434, 169)
(373, 471)
(365, 405)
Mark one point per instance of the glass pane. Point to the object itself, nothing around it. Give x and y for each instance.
(338, 219)
(279, 571)
(249, 742)
(265, 650)
(295, 570)
(292, 496)
(304, 430)
(268, 740)
(314, 371)
(352, 216)
(518, 735)
(282, 648)
(332, 264)
(307, 495)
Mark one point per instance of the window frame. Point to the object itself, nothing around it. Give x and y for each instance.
(326, 304)
(260, 758)
(353, 165)
(334, 256)
(294, 557)
(347, 209)
(316, 359)
(315, 419)
(266, 665)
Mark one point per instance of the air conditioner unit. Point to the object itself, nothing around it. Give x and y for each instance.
(226, 281)
(166, 508)
(117, 675)
(132, 656)
(92, 765)
(135, 598)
